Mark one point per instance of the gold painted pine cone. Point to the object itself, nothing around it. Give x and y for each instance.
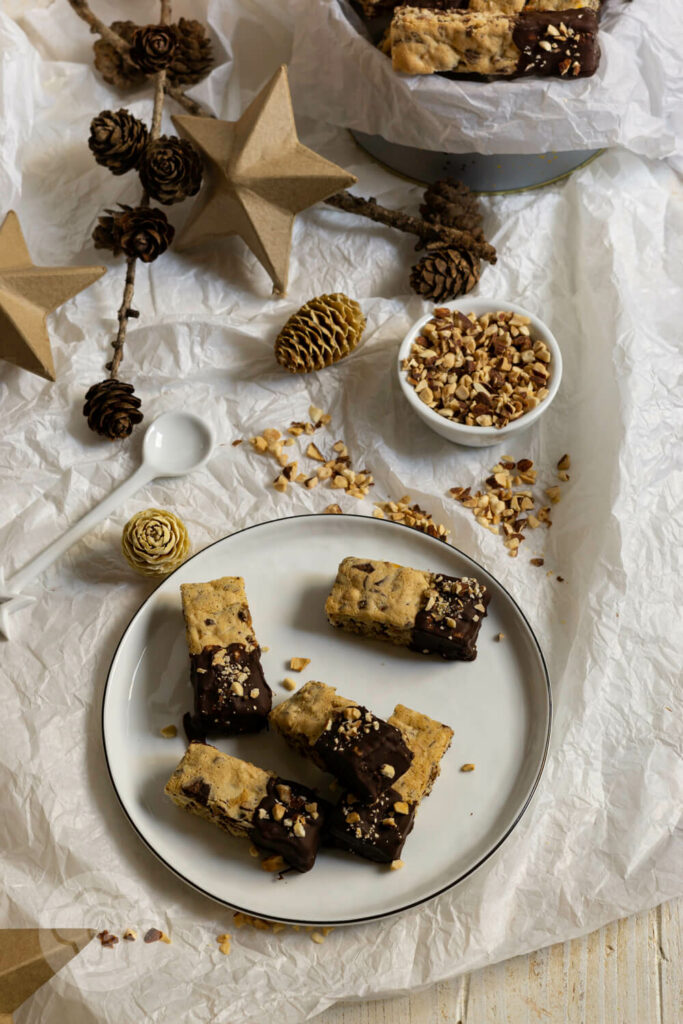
(322, 332)
(155, 542)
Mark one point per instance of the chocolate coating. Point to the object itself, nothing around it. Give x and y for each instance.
(451, 626)
(569, 49)
(304, 811)
(218, 675)
(361, 751)
(368, 836)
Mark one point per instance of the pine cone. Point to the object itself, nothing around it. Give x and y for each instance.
(322, 332)
(112, 409)
(171, 170)
(451, 203)
(443, 274)
(155, 542)
(152, 47)
(106, 234)
(117, 140)
(193, 57)
(114, 68)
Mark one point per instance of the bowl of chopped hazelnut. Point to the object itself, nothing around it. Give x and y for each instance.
(478, 370)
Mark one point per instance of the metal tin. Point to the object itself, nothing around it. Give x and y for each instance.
(509, 172)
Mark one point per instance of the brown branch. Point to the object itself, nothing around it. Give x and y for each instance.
(192, 106)
(129, 287)
(96, 25)
(413, 225)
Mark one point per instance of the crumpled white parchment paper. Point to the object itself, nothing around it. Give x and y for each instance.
(635, 99)
(599, 257)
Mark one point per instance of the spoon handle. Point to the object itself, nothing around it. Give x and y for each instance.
(140, 477)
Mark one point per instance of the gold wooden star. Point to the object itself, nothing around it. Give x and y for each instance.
(27, 294)
(260, 177)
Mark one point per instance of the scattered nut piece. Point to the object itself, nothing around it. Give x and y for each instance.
(499, 637)
(237, 441)
(553, 493)
(169, 731)
(467, 767)
(317, 937)
(253, 852)
(154, 935)
(402, 511)
(107, 939)
(299, 664)
(314, 452)
(273, 864)
(564, 463)
(224, 943)
(396, 865)
(130, 935)
(333, 510)
(288, 683)
(280, 484)
(537, 561)
(318, 416)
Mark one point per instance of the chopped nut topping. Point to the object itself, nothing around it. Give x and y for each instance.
(388, 770)
(299, 664)
(467, 767)
(299, 829)
(278, 812)
(169, 731)
(237, 688)
(284, 792)
(401, 807)
(352, 818)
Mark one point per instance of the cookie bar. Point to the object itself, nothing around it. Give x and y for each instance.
(231, 694)
(559, 43)
(364, 752)
(378, 830)
(372, 8)
(428, 612)
(279, 816)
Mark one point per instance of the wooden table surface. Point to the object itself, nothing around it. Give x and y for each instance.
(628, 972)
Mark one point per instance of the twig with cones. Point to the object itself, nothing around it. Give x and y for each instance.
(449, 228)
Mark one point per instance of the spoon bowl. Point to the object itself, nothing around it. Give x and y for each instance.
(176, 443)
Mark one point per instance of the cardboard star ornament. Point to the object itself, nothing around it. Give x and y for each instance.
(260, 177)
(31, 956)
(27, 294)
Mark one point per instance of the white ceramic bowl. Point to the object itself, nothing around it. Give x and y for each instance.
(460, 433)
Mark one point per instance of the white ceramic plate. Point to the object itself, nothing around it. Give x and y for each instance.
(499, 707)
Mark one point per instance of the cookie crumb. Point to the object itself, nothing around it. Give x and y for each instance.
(169, 731)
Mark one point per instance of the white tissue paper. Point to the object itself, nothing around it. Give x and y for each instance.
(635, 99)
(599, 258)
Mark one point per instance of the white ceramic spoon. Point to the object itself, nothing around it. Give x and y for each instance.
(175, 444)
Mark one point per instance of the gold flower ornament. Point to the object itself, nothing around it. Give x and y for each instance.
(155, 542)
